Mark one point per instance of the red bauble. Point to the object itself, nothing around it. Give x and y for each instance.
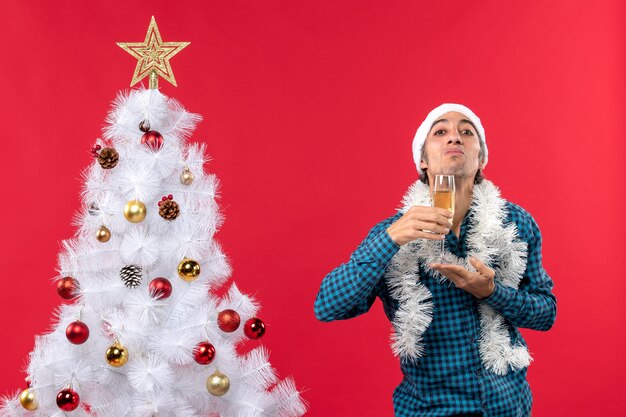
(67, 287)
(152, 139)
(254, 328)
(228, 320)
(68, 399)
(160, 288)
(77, 332)
(203, 353)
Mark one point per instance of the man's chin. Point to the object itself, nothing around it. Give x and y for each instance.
(452, 169)
(458, 172)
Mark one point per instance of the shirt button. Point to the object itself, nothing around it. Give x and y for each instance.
(467, 306)
(472, 340)
(478, 372)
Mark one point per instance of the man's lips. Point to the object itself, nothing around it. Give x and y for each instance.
(454, 151)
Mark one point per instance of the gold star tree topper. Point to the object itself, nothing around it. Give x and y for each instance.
(153, 56)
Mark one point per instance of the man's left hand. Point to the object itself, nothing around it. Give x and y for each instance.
(480, 283)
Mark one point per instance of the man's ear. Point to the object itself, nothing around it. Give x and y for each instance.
(423, 165)
(482, 164)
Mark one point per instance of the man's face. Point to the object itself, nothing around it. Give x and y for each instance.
(452, 147)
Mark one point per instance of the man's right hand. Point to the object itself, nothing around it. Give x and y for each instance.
(421, 223)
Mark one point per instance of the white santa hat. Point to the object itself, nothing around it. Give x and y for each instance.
(422, 131)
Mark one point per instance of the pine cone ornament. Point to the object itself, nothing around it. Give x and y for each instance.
(131, 276)
(168, 208)
(108, 158)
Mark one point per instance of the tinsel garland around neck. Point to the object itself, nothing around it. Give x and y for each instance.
(489, 240)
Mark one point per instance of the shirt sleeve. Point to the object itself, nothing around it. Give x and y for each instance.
(532, 305)
(350, 289)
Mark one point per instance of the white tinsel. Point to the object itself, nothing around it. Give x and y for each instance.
(488, 240)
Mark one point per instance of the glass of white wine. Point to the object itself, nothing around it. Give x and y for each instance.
(443, 197)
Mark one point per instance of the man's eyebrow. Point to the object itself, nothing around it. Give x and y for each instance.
(437, 121)
(468, 121)
(460, 121)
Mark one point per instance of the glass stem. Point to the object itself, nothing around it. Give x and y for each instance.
(442, 249)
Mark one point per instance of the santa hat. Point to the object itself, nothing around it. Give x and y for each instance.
(422, 131)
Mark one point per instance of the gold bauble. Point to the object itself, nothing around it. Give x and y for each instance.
(217, 384)
(135, 211)
(28, 400)
(186, 177)
(188, 269)
(103, 234)
(117, 355)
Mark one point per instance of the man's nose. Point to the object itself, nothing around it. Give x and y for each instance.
(454, 137)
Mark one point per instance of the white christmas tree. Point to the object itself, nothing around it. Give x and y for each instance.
(145, 333)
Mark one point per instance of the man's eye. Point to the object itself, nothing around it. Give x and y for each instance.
(440, 132)
(467, 132)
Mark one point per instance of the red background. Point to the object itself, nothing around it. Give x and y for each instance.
(310, 108)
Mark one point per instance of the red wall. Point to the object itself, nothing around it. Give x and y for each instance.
(310, 108)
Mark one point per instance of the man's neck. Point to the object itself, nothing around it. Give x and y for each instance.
(462, 201)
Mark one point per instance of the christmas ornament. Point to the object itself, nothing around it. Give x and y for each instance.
(168, 208)
(131, 276)
(117, 355)
(160, 288)
(144, 126)
(67, 287)
(228, 320)
(95, 150)
(28, 400)
(135, 211)
(186, 177)
(152, 139)
(93, 209)
(103, 234)
(153, 56)
(203, 353)
(68, 399)
(217, 384)
(77, 332)
(188, 269)
(254, 328)
(107, 157)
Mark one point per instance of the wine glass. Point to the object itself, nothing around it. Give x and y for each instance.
(443, 197)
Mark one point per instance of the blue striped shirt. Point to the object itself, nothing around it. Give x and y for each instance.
(449, 378)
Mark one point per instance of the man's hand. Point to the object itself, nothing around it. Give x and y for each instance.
(421, 223)
(480, 284)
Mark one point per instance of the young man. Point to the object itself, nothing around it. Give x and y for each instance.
(456, 322)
